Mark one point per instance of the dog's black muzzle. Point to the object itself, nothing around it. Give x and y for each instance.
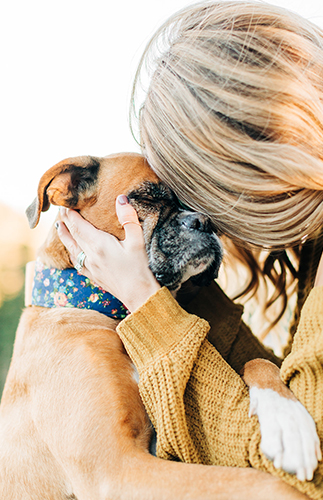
(181, 244)
(184, 246)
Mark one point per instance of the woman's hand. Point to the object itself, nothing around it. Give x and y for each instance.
(120, 267)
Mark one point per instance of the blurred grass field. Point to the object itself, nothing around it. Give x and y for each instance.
(10, 312)
(17, 246)
(15, 251)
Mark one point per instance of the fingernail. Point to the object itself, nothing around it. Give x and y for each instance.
(122, 199)
(56, 225)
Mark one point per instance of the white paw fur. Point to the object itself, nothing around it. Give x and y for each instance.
(288, 432)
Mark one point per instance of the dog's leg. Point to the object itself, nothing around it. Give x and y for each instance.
(150, 478)
(288, 432)
(28, 470)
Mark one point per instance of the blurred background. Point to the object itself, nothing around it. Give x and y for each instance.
(67, 71)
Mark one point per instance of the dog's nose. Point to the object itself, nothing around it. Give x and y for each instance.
(197, 221)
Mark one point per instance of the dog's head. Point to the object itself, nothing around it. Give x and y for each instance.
(180, 244)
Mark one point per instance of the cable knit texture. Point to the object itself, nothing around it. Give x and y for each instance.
(197, 402)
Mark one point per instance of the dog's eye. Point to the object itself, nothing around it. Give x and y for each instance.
(151, 193)
(152, 200)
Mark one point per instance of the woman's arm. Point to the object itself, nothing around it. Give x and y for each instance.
(190, 392)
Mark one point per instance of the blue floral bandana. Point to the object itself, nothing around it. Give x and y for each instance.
(68, 288)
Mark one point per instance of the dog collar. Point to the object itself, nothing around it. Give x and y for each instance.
(67, 288)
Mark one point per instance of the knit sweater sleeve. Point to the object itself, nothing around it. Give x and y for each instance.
(303, 367)
(188, 389)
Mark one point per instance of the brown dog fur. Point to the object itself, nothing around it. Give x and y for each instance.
(72, 424)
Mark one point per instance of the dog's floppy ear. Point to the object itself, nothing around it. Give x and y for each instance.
(70, 183)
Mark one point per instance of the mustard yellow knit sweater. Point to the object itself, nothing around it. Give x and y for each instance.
(190, 385)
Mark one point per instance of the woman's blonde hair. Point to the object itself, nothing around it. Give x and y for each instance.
(232, 120)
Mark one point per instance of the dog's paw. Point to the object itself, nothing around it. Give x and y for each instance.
(288, 433)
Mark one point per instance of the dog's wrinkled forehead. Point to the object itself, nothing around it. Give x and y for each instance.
(151, 197)
(153, 202)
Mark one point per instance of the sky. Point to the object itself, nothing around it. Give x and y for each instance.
(67, 68)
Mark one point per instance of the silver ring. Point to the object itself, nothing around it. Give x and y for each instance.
(80, 261)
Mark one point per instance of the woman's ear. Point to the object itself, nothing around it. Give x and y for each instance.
(70, 183)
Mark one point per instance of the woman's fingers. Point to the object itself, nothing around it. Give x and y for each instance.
(67, 240)
(81, 231)
(78, 235)
(72, 247)
(129, 220)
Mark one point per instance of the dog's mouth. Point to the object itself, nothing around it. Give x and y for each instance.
(181, 244)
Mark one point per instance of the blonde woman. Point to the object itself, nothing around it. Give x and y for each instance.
(233, 122)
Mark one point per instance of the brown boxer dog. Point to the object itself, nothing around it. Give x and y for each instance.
(72, 424)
